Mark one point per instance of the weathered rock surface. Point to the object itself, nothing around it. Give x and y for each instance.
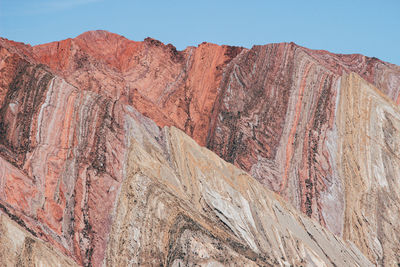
(368, 126)
(18, 247)
(101, 183)
(276, 119)
(181, 87)
(252, 110)
(182, 204)
(171, 87)
(82, 169)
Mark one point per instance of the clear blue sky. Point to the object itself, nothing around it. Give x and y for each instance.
(369, 27)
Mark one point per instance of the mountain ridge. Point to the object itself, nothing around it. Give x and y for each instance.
(300, 121)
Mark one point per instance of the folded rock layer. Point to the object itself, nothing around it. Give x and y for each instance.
(269, 110)
(182, 204)
(84, 168)
(20, 248)
(171, 87)
(368, 157)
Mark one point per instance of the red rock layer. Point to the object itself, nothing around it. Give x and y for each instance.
(171, 87)
(269, 107)
(269, 110)
(383, 75)
(12, 55)
(272, 120)
(62, 147)
(275, 119)
(177, 87)
(55, 136)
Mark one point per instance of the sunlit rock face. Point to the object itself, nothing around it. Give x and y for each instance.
(282, 117)
(276, 118)
(91, 170)
(172, 87)
(19, 247)
(104, 185)
(202, 210)
(368, 160)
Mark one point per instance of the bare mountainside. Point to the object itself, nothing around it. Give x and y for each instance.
(93, 167)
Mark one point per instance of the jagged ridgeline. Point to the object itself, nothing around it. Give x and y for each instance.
(121, 153)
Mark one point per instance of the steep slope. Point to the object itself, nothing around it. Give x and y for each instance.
(275, 118)
(171, 87)
(182, 204)
(87, 173)
(368, 127)
(18, 247)
(294, 118)
(12, 55)
(180, 87)
(281, 118)
(254, 110)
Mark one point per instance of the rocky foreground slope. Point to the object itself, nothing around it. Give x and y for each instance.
(86, 172)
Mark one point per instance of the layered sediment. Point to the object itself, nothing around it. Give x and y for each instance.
(91, 163)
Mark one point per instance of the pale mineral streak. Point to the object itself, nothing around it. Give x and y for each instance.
(20, 248)
(175, 202)
(181, 203)
(90, 166)
(368, 148)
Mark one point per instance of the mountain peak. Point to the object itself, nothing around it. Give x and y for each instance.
(82, 153)
(99, 35)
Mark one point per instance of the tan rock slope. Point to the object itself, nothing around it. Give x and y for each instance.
(19, 247)
(182, 204)
(368, 131)
(84, 171)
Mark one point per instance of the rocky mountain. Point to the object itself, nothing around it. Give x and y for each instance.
(94, 169)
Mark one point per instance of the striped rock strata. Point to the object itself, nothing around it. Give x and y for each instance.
(182, 205)
(181, 87)
(278, 118)
(102, 184)
(368, 132)
(18, 247)
(268, 110)
(171, 87)
(291, 117)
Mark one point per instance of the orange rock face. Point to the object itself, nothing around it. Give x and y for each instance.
(67, 110)
(180, 87)
(171, 87)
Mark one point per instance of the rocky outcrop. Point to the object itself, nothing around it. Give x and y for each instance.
(171, 87)
(83, 169)
(94, 174)
(182, 204)
(181, 87)
(252, 110)
(19, 247)
(368, 126)
(276, 119)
